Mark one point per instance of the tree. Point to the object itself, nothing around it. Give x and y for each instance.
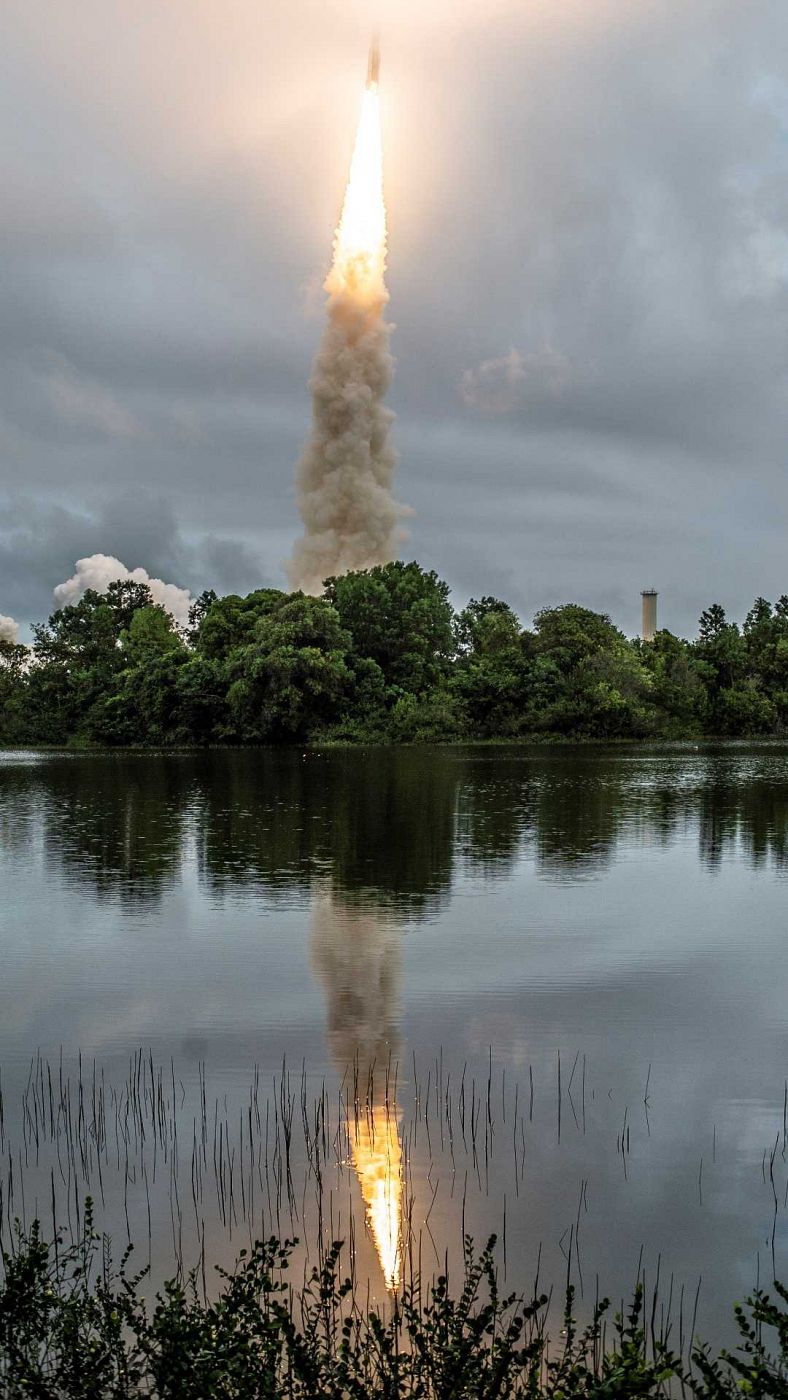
(202, 700)
(492, 672)
(712, 623)
(124, 597)
(758, 618)
(13, 665)
(78, 656)
(292, 677)
(229, 623)
(399, 616)
(487, 626)
(766, 638)
(743, 708)
(152, 694)
(594, 682)
(571, 634)
(141, 707)
(721, 651)
(678, 691)
(197, 613)
(151, 634)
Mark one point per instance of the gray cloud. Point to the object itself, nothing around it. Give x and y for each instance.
(609, 181)
(501, 385)
(40, 544)
(82, 405)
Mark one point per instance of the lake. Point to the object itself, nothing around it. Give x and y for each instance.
(394, 995)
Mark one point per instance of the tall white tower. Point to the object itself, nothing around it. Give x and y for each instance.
(649, 624)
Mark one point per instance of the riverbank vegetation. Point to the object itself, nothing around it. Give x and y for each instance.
(72, 1327)
(382, 656)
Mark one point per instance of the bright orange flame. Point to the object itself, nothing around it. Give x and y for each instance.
(377, 1158)
(360, 240)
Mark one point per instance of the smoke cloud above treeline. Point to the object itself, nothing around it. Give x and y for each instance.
(100, 570)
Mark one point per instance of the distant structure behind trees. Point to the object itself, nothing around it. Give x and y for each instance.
(382, 657)
(648, 628)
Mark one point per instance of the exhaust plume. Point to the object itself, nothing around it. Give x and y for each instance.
(9, 630)
(343, 480)
(98, 571)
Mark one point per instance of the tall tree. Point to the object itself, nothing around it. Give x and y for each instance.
(487, 625)
(399, 616)
(13, 716)
(292, 677)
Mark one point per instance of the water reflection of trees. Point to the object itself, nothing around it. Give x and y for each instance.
(747, 808)
(380, 821)
(116, 824)
(20, 798)
(390, 828)
(579, 810)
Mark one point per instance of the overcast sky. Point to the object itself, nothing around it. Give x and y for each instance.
(588, 212)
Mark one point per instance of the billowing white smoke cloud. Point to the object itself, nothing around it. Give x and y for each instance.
(98, 571)
(9, 630)
(343, 481)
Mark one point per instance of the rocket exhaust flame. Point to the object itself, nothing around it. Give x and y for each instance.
(360, 241)
(351, 520)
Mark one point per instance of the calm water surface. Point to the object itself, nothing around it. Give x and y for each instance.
(589, 943)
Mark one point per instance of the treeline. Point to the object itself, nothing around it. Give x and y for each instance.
(381, 656)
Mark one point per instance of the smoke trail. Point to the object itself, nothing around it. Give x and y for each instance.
(9, 630)
(351, 520)
(98, 571)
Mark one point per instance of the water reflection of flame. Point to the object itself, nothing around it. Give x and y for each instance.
(377, 1158)
(356, 953)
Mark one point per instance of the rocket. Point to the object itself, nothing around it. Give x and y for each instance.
(373, 66)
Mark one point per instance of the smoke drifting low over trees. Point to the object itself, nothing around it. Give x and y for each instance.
(380, 656)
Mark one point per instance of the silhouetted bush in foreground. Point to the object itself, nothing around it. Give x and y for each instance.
(71, 1326)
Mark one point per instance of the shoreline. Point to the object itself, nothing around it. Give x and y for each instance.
(689, 744)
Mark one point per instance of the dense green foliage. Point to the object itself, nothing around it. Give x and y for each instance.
(71, 1328)
(382, 657)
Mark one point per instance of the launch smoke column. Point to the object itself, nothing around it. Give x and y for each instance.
(648, 628)
(351, 520)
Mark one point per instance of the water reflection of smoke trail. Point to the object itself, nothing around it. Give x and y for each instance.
(356, 954)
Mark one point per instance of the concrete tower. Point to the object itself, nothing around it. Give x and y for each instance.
(649, 624)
